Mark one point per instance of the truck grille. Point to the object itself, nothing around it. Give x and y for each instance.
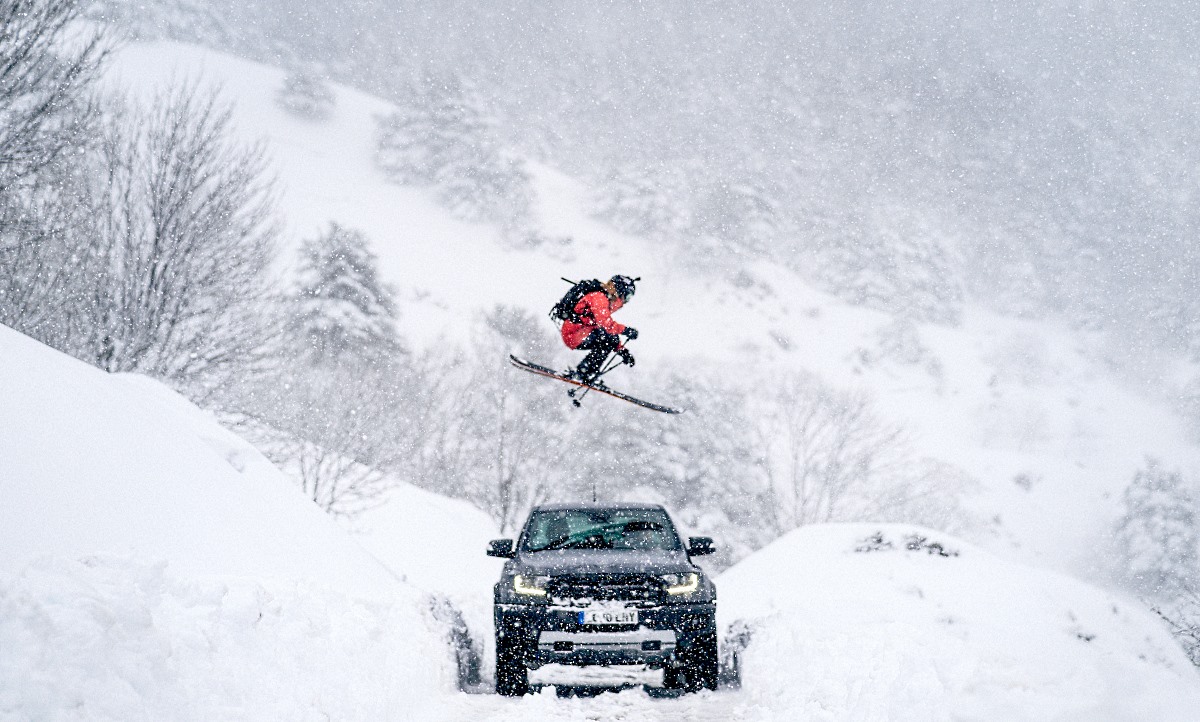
(640, 588)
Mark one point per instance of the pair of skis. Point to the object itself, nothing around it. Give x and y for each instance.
(597, 386)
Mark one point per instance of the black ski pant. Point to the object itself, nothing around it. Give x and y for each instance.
(600, 344)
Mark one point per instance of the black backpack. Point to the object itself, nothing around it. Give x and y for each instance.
(564, 310)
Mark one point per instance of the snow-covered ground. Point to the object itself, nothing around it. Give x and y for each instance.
(438, 545)
(157, 567)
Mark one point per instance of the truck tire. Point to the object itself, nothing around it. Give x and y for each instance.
(701, 663)
(512, 677)
(674, 678)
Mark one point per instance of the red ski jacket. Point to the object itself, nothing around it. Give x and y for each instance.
(595, 310)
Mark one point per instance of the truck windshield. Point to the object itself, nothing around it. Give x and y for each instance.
(632, 529)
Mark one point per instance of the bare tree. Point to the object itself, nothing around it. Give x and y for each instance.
(1183, 618)
(821, 446)
(47, 70)
(43, 284)
(183, 239)
(501, 433)
(45, 84)
(340, 432)
(829, 457)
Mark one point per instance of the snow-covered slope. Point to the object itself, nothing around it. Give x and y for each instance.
(942, 632)
(434, 542)
(95, 464)
(1029, 409)
(155, 566)
(111, 476)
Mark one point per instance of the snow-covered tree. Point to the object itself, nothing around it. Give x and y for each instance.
(741, 215)
(638, 201)
(903, 263)
(343, 310)
(492, 187)
(344, 408)
(307, 95)
(441, 135)
(436, 120)
(1158, 536)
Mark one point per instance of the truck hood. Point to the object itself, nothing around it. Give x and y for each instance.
(602, 561)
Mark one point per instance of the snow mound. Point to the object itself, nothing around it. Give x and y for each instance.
(97, 463)
(107, 638)
(437, 543)
(893, 622)
(156, 566)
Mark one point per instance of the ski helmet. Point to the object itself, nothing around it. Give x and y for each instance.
(624, 286)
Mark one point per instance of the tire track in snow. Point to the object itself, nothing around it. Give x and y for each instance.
(628, 706)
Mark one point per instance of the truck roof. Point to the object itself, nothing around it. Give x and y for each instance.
(561, 506)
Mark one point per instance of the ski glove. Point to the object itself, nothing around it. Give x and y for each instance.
(630, 332)
(626, 356)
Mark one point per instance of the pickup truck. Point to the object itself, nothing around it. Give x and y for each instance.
(605, 588)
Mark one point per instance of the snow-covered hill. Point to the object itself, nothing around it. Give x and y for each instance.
(156, 566)
(1031, 410)
(901, 623)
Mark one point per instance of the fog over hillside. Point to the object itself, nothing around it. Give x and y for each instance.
(1034, 157)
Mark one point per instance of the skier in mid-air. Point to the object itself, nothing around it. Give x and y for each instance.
(585, 313)
(588, 324)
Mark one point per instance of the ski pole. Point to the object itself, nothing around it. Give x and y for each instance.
(607, 365)
(610, 367)
(588, 387)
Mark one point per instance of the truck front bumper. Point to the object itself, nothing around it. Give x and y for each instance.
(553, 635)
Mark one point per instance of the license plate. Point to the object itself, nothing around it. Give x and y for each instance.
(608, 616)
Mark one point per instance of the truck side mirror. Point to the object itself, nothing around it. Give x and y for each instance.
(501, 548)
(698, 546)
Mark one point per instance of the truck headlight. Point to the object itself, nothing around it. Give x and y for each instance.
(530, 586)
(681, 583)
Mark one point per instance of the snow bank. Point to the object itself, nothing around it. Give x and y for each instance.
(436, 543)
(157, 567)
(439, 545)
(95, 463)
(107, 638)
(940, 633)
